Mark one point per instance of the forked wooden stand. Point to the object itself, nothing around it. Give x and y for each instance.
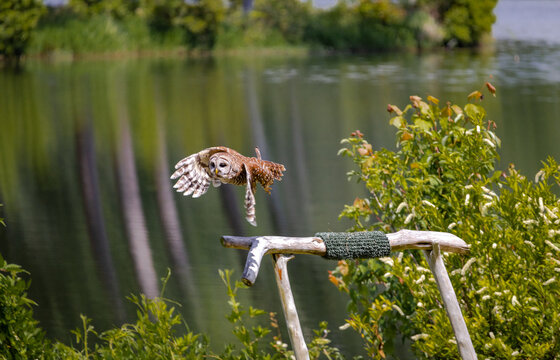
(283, 248)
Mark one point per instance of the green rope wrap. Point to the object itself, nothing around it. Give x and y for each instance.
(355, 245)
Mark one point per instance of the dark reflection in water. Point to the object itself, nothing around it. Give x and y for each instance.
(86, 150)
(91, 197)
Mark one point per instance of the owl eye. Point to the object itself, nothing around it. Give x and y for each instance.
(212, 164)
(223, 165)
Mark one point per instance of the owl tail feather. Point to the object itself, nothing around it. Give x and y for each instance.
(250, 205)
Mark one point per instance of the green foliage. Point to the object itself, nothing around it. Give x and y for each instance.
(202, 23)
(362, 25)
(20, 336)
(371, 25)
(255, 339)
(153, 336)
(96, 34)
(288, 17)
(116, 8)
(465, 22)
(199, 22)
(18, 19)
(443, 178)
(271, 23)
(158, 333)
(251, 338)
(63, 30)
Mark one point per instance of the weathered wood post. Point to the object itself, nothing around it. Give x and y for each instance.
(354, 245)
(289, 305)
(464, 343)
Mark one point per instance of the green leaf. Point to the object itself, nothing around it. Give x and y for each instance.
(475, 111)
(255, 312)
(496, 176)
(398, 122)
(423, 124)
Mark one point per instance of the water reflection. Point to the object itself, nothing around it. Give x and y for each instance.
(86, 151)
(89, 181)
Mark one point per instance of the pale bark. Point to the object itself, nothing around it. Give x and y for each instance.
(289, 306)
(261, 245)
(464, 343)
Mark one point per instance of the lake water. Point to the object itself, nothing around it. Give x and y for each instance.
(86, 150)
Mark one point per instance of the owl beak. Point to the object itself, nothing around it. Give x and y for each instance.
(216, 171)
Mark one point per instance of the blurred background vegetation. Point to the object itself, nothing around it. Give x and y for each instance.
(90, 26)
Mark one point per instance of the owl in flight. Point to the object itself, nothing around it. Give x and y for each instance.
(219, 165)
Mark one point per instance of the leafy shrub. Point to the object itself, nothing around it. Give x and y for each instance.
(116, 8)
(202, 23)
(465, 22)
(271, 23)
(158, 333)
(98, 33)
(17, 22)
(101, 33)
(255, 338)
(20, 335)
(362, 25)
(288, 17)
(153, 336)
(442, 177)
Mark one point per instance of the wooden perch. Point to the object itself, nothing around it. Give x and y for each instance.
(433, 243)
(258, 246)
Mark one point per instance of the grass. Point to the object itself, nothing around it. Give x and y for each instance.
(101, 34)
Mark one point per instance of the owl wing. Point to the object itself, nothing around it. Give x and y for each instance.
(250, 198)
(193, 174)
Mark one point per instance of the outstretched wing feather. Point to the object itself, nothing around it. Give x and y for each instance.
(193, 174)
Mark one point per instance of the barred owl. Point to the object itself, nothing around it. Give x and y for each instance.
(219, 165)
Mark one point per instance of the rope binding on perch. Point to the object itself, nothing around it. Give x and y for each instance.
(355, 245)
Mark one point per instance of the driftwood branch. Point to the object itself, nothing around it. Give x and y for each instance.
(424, 240)
(258, 246)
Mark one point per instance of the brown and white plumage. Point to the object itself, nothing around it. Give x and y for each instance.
(219, 165)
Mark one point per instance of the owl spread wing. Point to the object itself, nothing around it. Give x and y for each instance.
(250, 198)
(193, 174)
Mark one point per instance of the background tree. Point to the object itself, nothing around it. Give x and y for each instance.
(18, 19)
(466, 22)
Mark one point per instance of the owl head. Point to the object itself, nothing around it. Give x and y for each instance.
(222, 166)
